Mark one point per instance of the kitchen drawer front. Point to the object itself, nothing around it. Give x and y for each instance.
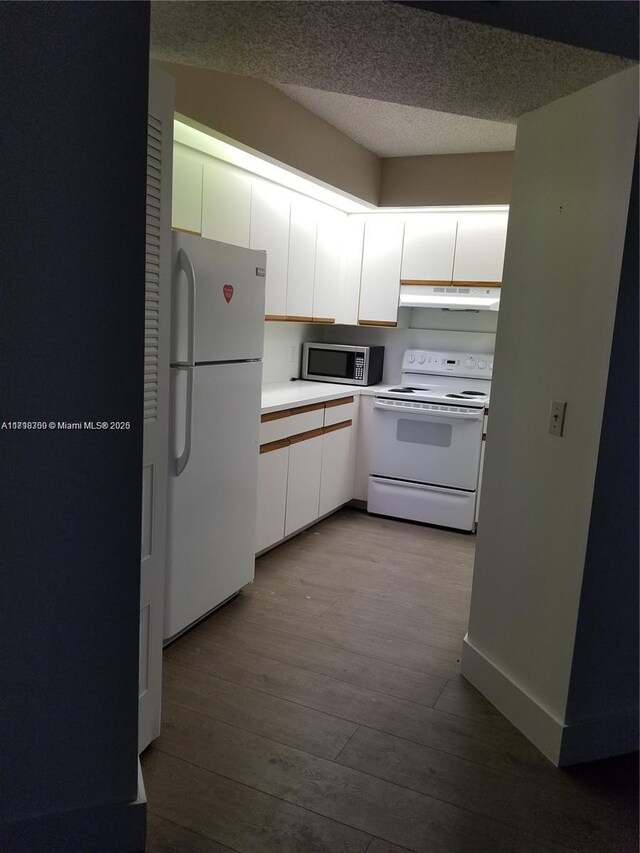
(277, 425)
(340, 410)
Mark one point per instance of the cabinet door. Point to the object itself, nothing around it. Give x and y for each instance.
(303, 485)
(270, 210)
(480, 247)
(272, 495)
(381, 259)
(429, 244)
(186, 210)
(302, 258)
(336, 485)
(326, 284)
(226, 203)
(351, 269)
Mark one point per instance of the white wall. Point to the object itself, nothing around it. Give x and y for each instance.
(573, 167)
(449, 331)
(283, 349)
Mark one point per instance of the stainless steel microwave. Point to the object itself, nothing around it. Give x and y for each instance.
(338, 363)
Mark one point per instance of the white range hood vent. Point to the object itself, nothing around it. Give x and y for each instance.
(450, 297)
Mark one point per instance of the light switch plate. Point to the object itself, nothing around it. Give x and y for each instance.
(556, 416)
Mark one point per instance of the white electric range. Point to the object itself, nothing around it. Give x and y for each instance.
(427, 439)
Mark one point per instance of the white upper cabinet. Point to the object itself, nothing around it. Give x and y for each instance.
(381, 261)
(429, 246)
(351, 270)
(302, 257)
(186, 200)
(480, 247)
(226, 203)
(270, 210)
(327, 294)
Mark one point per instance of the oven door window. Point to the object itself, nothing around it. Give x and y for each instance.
(433, 433)
(334, 363)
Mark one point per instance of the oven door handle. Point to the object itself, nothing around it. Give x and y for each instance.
(386, 405)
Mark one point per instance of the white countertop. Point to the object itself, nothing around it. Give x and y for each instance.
(281, 395)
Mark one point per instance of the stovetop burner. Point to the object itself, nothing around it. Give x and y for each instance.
(464, 395)
(407, 389)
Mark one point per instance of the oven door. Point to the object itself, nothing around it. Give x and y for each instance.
(427, 443)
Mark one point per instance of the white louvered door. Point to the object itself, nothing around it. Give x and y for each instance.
(156, 401)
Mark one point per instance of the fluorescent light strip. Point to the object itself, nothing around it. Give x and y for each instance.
(220, 146)
(198, 136)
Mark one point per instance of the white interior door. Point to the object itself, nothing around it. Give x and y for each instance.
(156, 402)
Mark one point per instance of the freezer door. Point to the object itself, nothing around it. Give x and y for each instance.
(218, 301)
(212, 501)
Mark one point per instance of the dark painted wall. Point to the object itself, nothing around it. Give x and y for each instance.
(605, 666)
(73, 106)
(610, 26)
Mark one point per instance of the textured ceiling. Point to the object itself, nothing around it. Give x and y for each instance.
(382, 53)
(395, 130)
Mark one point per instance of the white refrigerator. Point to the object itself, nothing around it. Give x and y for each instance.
(216, 375)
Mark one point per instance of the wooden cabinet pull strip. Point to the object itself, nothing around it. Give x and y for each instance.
(377, 323)
(323, 320)
(187, 231)
(305, 436)
(334, 427)
(280, 317)
(274, 445)
(300, 410)
(275, 416)
(341, 402)
(292, 318)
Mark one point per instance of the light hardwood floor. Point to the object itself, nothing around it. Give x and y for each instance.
(323, 710)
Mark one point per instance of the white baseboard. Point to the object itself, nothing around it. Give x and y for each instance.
(535, 722)
(564, 745)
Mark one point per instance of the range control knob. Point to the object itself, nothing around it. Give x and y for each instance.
(491, 365)
(471, 362)
(421, 359)
(482, 364)
(411, 359)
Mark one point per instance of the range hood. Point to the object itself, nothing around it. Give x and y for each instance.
(450, 297)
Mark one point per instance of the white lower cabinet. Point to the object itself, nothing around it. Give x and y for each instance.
(336, 483)
(273, 468)
(306, 467)
(303, 485)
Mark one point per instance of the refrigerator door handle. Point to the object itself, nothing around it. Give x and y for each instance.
(181, 461)
(184, 262)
